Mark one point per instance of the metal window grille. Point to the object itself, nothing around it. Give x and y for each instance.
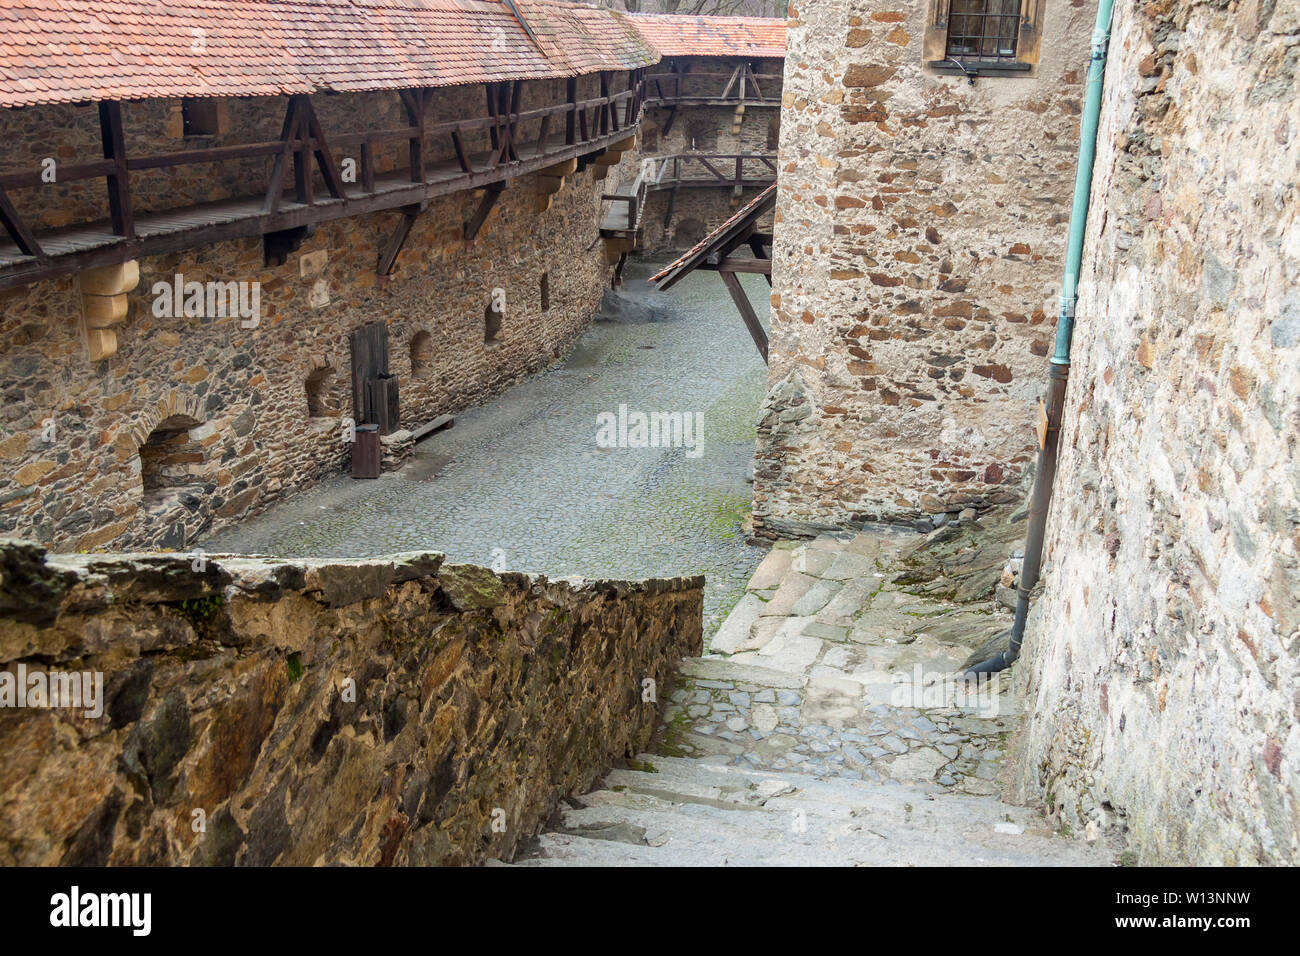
(983, 29)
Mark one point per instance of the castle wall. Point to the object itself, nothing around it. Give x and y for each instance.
(72, 429)
(1161, 662)
(921, 222)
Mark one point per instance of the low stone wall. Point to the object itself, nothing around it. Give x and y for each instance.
(257, 712)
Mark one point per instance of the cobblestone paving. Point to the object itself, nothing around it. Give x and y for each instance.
(520, 483)
(824, 727)
(828, 661)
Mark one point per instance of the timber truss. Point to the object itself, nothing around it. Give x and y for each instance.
(288, 203)
(720, 252)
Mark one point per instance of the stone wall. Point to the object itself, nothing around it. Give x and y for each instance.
(1161, 663)
(263, 406)
(920, 226)
(395, 711)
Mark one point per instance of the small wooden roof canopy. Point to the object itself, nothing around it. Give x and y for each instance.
(714, 253)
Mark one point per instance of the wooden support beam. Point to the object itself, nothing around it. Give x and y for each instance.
(18, 230)
(668, 211)
(516, 94)
(388, 255)
(490, 195)
(746, 312)
(726, 91)
(571, 116)
(604, 107)
(367, 167)
(668, 123)
(756, 246)
(462, 156)
(757, 267)
(288, 133)
(329, 172)
(566, 168)
(119, 190)
(416, 103)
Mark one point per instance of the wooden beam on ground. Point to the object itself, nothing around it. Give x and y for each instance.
(746, 312)
(491, 193)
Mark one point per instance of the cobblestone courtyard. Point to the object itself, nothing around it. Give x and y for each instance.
(521, 483)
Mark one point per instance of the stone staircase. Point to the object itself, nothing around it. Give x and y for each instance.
(823, 727)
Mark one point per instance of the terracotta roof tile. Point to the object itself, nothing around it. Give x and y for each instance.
(678, 35)
(58, 51)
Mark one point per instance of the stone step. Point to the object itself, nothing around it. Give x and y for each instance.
(691, 812)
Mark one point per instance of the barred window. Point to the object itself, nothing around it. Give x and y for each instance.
(983, 29)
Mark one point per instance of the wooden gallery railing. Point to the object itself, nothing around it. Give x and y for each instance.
(741, 85)
(737, 171)
(575, 129)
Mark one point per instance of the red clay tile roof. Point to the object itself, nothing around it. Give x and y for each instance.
(696, 254)
(677, 35)
(60, 51)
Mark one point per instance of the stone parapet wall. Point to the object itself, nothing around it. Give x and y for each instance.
(1162, 661)
(257, 711)
(921, 222)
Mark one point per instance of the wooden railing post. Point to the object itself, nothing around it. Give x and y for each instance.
(571, 116)
(119, 191)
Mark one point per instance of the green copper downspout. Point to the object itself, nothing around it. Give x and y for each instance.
(1060, 362)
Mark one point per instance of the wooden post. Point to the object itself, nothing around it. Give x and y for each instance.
(367, 166)
(571, 117)
(275, 185)
(415, 102)
(119, 192)
(746, 312)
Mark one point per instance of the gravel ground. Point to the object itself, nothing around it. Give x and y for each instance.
(520, 482)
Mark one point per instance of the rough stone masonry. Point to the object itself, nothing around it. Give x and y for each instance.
(920, 224)
(1162, 660)
(381, 712)
(250, 415)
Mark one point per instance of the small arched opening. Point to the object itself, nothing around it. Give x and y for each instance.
(320, 398)
(421, 351)
(171, 461)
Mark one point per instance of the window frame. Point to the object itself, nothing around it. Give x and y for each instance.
(1023, 64)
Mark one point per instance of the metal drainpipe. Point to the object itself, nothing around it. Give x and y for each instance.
(1060, 361)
